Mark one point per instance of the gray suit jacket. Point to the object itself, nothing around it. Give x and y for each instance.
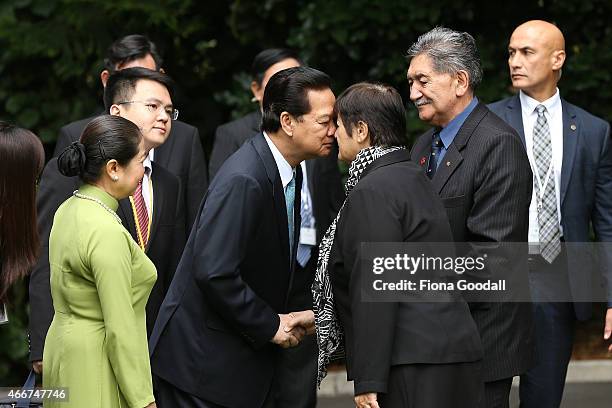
(485, 184)
(586, 195)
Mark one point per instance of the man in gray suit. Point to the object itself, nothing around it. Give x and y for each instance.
(478, 166)
(571, 158)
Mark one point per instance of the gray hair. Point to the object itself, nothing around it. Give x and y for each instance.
(450, 52)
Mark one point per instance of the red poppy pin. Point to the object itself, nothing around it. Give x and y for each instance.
(422, 161)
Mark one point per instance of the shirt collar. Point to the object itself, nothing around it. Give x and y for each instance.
(448, 133)
(147, 164)
(529, 104)
(284, 168)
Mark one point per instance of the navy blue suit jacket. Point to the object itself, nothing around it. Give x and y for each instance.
(586, 195)
(213, 331)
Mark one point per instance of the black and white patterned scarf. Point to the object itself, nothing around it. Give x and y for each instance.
(329, 330)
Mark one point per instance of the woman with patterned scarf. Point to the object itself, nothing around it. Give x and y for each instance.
(399, 354)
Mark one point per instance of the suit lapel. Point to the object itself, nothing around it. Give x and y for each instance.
(159, 198)
(514, 116)
(453, 158)
(278, 193)
(571, 132)
(127, 216)
(451, 161)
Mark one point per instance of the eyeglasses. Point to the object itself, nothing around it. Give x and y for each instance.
(155, 107)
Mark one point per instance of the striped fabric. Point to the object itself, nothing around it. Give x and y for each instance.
(142, 222)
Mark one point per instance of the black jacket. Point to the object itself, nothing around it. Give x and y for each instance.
(394, 202)
(214, 328)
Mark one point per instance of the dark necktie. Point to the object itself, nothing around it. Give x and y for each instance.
(436, 149)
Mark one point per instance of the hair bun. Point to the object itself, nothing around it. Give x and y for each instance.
(71, 161)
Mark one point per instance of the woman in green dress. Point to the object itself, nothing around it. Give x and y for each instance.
(96, 346)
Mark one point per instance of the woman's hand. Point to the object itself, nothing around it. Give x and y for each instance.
(151, 405)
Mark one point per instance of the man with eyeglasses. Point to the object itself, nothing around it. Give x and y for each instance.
(154, 215)
(182, 153)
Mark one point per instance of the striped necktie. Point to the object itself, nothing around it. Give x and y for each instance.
(548, 220)
(142, 216)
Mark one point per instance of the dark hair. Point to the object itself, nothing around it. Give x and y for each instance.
(130, 48)
(105, 138)
(380, 107)
(122, 84)
(267, 58)
(450, 52)
(21, 160)
(287, 91)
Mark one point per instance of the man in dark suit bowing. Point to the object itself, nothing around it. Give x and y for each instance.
(160, 230)
(478, 166)
(181, 153)
(571, 158)
(216, 340)
(321, 196)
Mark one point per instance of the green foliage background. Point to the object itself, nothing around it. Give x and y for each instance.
(51, 55)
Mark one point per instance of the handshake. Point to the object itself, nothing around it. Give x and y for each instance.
(293, 327)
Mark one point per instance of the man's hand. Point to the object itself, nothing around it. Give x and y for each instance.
(304, 319)
(37, 366)
(367, 400)
(608, 327)
(287, 337)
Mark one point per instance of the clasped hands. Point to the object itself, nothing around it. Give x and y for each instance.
(293, 327)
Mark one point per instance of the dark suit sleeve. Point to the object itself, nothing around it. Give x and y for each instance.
(197, 181)
(179, 236)
(602, 210)
(368, 216)
(224, 146)
(502, 192)
(53, 190)
(226, 231)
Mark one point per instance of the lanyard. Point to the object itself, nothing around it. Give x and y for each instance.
(542, 186)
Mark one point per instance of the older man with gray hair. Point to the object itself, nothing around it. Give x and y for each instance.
(478, 166)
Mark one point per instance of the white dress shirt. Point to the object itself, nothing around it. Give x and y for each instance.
(554, 117)
(147, 184)
(284, 168)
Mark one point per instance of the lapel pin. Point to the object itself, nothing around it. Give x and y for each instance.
(573, 126)
(448, 164)
(422, 161)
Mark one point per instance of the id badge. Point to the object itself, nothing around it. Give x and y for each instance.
(308, 236)
(3, 314)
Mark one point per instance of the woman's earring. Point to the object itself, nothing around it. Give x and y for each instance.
(115, 178)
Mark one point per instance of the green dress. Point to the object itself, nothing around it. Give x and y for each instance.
(96, 346)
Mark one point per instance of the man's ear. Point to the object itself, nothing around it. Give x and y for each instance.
(257, 92)
(286, 122)
(463, 83)
(104, 77)
(558, 58)
(114, 110)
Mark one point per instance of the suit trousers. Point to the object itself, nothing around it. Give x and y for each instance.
(542, 386)
(457, 385)
(295, 379)
(168, 396)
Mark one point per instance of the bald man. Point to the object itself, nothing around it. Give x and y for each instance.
(571, 159)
